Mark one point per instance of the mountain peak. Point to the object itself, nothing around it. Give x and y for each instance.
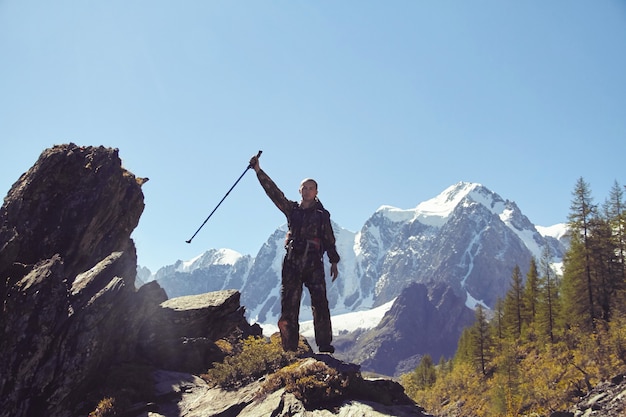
(435, 212)
(210, 257)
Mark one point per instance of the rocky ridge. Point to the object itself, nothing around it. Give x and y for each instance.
(74, 329)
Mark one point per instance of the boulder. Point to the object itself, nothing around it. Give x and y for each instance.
(180, 335)
(69, 308)
(607, 399)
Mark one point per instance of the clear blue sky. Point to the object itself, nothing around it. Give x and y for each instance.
(383, 102)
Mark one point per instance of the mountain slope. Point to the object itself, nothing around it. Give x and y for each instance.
(422, 320)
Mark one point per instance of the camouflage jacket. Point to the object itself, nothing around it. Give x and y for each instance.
(312, 224)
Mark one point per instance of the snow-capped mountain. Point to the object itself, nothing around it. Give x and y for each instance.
(467, 237)
(213, 270)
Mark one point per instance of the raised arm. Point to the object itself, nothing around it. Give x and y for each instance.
(271, 189)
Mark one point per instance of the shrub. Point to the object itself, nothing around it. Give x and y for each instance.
(105, 408)
(312, 382)
(253, 358)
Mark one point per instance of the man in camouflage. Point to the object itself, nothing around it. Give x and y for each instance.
(310, 235)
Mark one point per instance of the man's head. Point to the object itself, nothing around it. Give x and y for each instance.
(308, 190)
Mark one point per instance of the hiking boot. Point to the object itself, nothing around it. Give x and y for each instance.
(327, 349)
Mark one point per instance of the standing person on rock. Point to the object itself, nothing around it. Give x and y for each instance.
(310, 235)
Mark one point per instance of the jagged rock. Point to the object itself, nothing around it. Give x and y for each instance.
(73, 326)
(186, 395)
(181, 333)
(607, 399)
(77, 202)
(67, 267)
(69, 309)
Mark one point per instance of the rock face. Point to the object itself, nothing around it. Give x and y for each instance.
(67, 264)
(69, 309)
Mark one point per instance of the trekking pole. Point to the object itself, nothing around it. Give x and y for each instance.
(223, 198)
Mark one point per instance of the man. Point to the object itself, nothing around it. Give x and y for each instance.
(310, 235)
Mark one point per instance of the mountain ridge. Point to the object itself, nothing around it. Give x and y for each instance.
(456, 250)
(367, 266)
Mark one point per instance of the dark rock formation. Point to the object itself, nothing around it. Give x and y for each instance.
(181, 334)
(69, 309)
(67, 265)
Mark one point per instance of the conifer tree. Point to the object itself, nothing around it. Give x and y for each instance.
(527, 374)
(577, 277)
(575, 307)
(443, 365)
(506, 381)
(604, 266)
(513, 305)
(481, 340)
(531, 292)
(616, 215)
(548, 290)
(464, 347)
(497, 323)
(425, 375)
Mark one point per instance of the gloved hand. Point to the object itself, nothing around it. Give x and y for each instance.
(254, 163)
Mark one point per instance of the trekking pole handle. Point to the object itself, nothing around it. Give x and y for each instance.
(257, 157)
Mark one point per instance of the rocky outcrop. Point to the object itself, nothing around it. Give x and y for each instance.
(67, 267)
(607, 399)
(353, 395)
(181, 334)
(69, 309)
(74, 328)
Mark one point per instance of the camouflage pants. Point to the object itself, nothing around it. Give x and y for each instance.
(295, 273)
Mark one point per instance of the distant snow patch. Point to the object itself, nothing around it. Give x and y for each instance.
(396, 215)
(186, 266)
(526, 236)
(556, 231)
(212, 257)
(473, 303)
(349, 322)
(227, 257)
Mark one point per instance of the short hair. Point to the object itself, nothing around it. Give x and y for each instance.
(308, 180)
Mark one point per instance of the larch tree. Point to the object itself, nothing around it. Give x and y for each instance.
(617, 219)
(531, 292)
(481, 340)
(548, 295)
(604, 266)
(578, 286)
(513, 304)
